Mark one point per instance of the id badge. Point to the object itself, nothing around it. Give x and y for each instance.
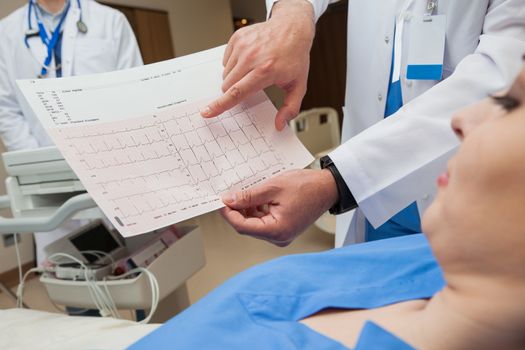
(426, 48)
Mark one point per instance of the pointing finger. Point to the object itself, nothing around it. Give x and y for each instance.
(247, 86)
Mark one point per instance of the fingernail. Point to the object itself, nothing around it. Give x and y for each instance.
(229, 198)
(206, 112)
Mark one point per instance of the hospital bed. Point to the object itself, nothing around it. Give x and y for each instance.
(30, 329)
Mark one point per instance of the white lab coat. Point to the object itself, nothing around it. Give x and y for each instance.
(108, 45)
(390, 163)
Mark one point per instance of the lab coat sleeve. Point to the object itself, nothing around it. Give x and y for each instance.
(387, 165)
(318, 5)
(14, 128)
(128, 55)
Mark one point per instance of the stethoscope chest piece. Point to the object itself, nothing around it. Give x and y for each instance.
(82, 27)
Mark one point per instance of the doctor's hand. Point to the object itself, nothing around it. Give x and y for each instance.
(275, 52)
(281, 208)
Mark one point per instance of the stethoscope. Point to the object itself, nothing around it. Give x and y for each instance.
(52, 41)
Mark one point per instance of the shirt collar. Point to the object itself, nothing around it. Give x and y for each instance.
(44, 13)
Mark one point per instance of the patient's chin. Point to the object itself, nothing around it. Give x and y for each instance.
(431, 218)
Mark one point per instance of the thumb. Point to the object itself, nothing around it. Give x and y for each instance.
(250, 198)
(291, 106)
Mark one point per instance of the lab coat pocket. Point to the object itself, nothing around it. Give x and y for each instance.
(95, 55)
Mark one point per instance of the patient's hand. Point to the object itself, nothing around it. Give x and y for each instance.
(281, 208)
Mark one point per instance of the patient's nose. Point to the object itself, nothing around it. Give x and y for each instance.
(457, 125)
(468, 119)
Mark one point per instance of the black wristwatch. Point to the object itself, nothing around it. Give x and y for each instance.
(346, 200)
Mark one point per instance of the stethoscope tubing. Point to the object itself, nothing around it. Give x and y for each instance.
(45, 40)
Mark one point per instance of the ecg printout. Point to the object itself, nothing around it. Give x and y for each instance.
(147, 157)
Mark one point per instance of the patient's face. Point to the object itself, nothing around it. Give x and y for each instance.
(480, 206)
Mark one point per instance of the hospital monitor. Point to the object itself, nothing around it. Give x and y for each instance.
(94, 236)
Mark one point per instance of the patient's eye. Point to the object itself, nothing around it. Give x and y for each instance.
(507, 102)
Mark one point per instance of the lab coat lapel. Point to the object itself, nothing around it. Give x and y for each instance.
(68, 40)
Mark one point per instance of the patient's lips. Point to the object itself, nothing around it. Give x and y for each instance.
(442, 180)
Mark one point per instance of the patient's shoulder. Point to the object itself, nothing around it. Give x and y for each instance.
(391, 262)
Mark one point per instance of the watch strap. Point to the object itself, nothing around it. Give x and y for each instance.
(346, 200)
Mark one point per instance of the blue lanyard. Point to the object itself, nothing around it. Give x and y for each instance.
(49, 42)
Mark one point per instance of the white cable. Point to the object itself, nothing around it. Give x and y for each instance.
(20, 289)
(113, 305)
(100, 298)
(18, 260)
(154, 286)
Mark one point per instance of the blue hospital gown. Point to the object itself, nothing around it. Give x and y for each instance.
(260, 307)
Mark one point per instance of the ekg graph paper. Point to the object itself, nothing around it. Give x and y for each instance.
(163, 168)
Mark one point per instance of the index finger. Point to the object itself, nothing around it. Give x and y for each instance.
(248, 85)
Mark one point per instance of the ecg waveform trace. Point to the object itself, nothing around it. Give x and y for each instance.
(170, 162)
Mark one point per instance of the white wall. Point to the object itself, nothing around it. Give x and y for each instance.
(195, 24)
